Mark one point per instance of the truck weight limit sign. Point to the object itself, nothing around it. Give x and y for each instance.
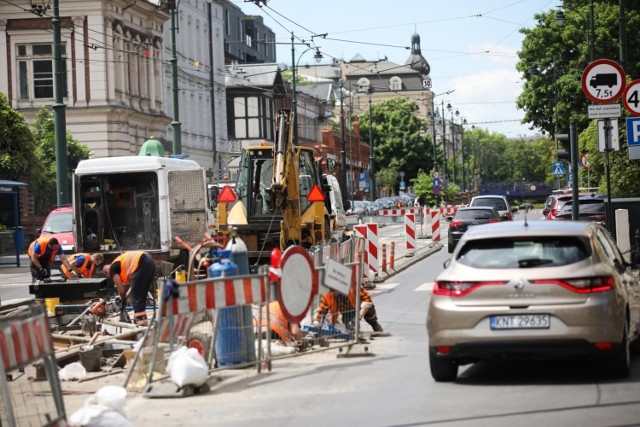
(603, 81)
(631, 98)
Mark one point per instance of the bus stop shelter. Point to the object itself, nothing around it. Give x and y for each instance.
(10, 189)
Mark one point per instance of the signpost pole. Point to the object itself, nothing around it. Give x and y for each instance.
(607, 145)
(573, 141)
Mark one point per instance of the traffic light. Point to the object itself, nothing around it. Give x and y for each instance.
(563, 147)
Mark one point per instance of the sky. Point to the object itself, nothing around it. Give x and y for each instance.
(471, 45)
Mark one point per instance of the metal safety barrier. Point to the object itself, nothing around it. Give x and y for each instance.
(25, 339)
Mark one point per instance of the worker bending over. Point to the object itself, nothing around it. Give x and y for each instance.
(42, 252)
(85, 263)
(289, 332)
(334, 303)
(137, 270)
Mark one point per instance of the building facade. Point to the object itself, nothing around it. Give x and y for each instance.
(246, 39)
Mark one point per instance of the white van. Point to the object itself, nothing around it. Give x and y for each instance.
(338, 213)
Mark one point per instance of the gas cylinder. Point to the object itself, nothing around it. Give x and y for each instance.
(223, 265)
(230, 343)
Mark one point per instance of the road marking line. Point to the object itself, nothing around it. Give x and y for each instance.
(427, 286)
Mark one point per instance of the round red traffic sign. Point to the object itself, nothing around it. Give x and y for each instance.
(631, 98)
(299, 283)
(584, 160)
(603, 81)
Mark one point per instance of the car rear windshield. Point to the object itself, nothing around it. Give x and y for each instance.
(497, 204)
(586, 206)
(512, 252)
(473, 214)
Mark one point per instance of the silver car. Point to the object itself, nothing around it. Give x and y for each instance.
(533, 289)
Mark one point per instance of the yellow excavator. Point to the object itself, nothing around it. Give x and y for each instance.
(281, 199)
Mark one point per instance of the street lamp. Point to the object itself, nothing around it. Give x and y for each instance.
(463, 122)
(453, 139)
(294, 103)
(560, 18)
(372, 168)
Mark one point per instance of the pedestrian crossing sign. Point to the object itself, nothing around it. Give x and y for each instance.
(558, 169)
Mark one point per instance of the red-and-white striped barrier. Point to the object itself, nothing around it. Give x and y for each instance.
(25, 341)
(410, 233)
(392, 256)
(398, 212)
(217, 293)
(435, 225)
(369, 232)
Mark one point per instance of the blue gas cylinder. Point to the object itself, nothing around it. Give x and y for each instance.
(224, 266)
(229, 345)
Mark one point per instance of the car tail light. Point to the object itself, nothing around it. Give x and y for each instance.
(604, 346)
(455, 223)
(459, 289)
(493, 221)
(585, 285)
(443, 349)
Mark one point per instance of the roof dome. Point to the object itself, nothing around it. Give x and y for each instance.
(416, 61)
(152, 147)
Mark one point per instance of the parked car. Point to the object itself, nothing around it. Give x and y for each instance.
(499, 203)
(555, 202)
(359, 208)
(466, 218)
(590, 208)
(59, 224)
(539, 289)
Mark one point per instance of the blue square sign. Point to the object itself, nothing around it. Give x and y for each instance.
(633, 137)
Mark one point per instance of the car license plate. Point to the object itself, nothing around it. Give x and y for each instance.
(520, 321)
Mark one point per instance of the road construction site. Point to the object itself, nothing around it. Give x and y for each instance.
(115, 363)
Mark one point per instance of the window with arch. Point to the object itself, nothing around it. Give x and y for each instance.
(363, 83)
(395, 83)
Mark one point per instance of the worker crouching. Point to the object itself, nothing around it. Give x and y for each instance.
(333, 304)
(288, 332)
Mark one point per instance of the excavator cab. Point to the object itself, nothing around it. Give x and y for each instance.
(280, 198)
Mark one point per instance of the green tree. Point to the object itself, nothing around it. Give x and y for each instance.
(44, 132)
(18, 158)
(387, 179)
(398, 140)
(423, 187)
(552, 59)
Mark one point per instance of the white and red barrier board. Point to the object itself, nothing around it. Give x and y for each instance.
(435, 225)
(398, 212)
(369, 232)
(24, 341)
(410, 232)
(217, 293)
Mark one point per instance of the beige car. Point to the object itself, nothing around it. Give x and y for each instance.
(536, 289)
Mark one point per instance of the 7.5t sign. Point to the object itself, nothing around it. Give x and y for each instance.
(603, 81)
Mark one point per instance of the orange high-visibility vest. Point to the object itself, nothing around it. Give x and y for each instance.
(128, 264)
(43, 241)
(277, 321)
(86, 269)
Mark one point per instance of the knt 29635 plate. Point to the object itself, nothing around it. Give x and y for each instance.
(520, 321)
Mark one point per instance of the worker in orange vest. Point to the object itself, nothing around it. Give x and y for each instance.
(281, 328)
(85, 264)
(137, 270)
(42, 252)
(333, 304)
